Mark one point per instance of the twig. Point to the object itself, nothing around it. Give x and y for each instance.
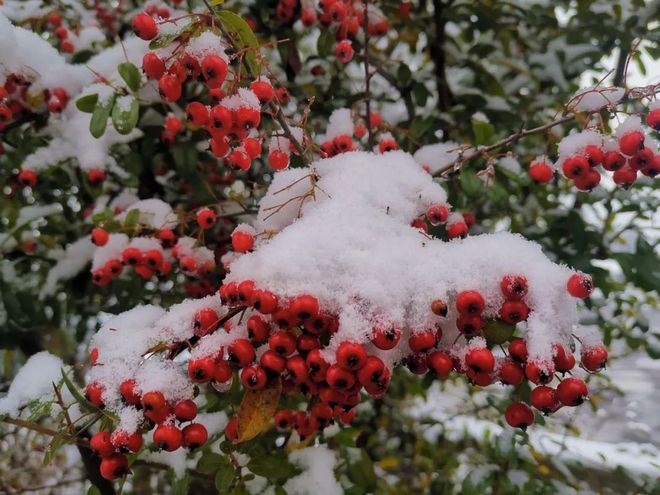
(367, 78)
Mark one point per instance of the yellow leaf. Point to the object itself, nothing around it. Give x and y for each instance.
(217, 2)
(295, 443)
(257, 409)
(389, 462)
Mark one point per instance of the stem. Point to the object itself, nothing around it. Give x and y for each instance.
(367, 78)
(438, 53)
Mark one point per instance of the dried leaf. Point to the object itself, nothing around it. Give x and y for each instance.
(257, 409)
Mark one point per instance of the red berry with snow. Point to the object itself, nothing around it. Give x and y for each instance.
(206, 218)
(580, 285)
(214, 70)
(631, 142)
(613, 160)
(344, 50)
(144, 26)
(594, 358)
(153, 66)
(653, 119)
(470, 302)
(351, 356)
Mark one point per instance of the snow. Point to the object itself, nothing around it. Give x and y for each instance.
(437, 156)
(318, 476)
(594, 98)
(71, 261)
(154, 213)
(34, 381)
(112, 250)
(351, 245)
(509, 163)
(631, 124)
(575, 143)
(340, 123)
(244, 98)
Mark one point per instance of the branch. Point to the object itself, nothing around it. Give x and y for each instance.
(438, 53)
(630, 95)
(367, 78)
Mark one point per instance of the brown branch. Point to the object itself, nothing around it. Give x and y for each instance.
(367, 77)
(630, 95)
(437, 48)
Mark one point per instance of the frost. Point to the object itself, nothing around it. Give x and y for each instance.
(33, 382)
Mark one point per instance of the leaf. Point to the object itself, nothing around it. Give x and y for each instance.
(181, 486)
(483, 132)
(84, 403)
(256, 411)
(125, 117)
(325, 43)
(93, 490)
(497, 332)
(243, 36)
(273, 467)
(471, 184)
(99, 120)
(403, 74)
(132, 218)
(217, 2)
(87, 103)
(210, 462)
(224, 476)
(163, 41)
(130, 74)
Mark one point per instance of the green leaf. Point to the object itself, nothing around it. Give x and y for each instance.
(325, 43)
(84, 403)
(273, 467)
(243, 36)
(224, 476)
(483, 132)
(403, 74)
(163, 41)
(99, 120)
(132, 218)
(125, 116)
(217, 2)
(87, 103)
(93, 490)
(181, 486)
(470, 184)
(39, 409)
(210, 462)
(130, 74)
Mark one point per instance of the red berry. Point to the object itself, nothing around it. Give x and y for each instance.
(343, 50)
(186, 410)
(245, 291)
(153, 258)
(545, 399)
(422, 341)
(253, 377)
(265, 302)
(278, 159)
(221, 120)
(594, 358)
(114, 466)
(564, 361)
(641, 159)
(440, 363)
(222, 371)
(511, 373)
(595, 155)
(572, 392)
(284, 419)
(371, 371)
(514, 312)
(197, 113)
(67, 46)
(469, 325)
(247, 118)
(304, 307)
(439, 307)
(214, 70)
(625, 176)
(93, 393)
(128, 391)
(386, 338)
(351, 356)
(272, 361)
(539, 373)
(101, 444)
(242, 241)
(470, 302)
(100, 237)
(126, 442)
(206, 218)
(153, 66)
(54, 19)
(297, 367)
(231, 430)
(219, 146)
(263, 90)
(480, 360)
(144, 26)
(653, 119)
(131, 255)
(588, 181)
(28, 178)
(613, 160)
(241, 352)
(285, 319)
(316, 365)
(168, 437)
(580, 285)
(282, 342)
(575, 166)
(239, 159)
(339, 378)
(437, 214)
(201, 370)
(514, 287)
(95, 176)
(631, 142)
(387, 144)
(194, 436)
(252, 146)
(519, 415)
(457, 229)
(169, 88)
(94, 355)
(205, 321)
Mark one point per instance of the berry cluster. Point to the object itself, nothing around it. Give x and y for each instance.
(580, 155)
(166, 420)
